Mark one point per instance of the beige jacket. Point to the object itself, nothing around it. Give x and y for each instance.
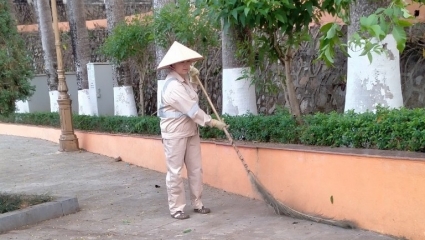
(179, 109)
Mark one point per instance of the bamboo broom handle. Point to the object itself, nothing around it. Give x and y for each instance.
(229, 137)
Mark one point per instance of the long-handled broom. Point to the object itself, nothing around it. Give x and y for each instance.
(278, 207)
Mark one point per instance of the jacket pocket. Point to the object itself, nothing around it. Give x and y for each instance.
(193, 95)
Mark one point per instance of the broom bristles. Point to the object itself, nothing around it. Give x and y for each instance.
(282, 209)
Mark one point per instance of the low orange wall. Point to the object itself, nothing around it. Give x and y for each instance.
(381, 193)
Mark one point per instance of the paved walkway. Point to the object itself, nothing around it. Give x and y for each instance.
(123, 201)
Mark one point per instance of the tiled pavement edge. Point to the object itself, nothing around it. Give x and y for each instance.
(59, 207)
(118, 200)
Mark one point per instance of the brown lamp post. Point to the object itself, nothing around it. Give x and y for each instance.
(67, 141)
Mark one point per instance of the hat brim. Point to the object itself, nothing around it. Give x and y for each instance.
(178, 53)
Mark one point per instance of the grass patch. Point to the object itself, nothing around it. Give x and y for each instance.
(12, 202)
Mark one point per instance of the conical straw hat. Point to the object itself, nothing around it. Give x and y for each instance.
(178, 53)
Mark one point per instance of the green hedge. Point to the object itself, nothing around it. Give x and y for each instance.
(109, 124)
(402, 129)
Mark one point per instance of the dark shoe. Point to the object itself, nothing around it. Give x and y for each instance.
(180, 215)
(202, 210)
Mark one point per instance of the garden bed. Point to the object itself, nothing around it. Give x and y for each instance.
(19, 210)
(13, 202)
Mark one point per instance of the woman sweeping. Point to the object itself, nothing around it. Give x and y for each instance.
(180, 116)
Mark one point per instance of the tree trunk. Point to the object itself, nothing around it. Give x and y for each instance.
(142, 71)
(159, 54)
(44, 18)
(75, 10)
(286, 59)
(115, 15)
(292, 95)
(238, 95)
(79, 40)
(376, 83)
(159, 51)
(124, 101)
(12, 11)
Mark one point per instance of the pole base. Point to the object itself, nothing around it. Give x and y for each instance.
(68, 143)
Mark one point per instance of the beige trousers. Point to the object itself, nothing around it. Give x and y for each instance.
(179, 152)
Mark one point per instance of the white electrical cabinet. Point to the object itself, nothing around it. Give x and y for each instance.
(101, 88)
(39, 101)
(71, 83)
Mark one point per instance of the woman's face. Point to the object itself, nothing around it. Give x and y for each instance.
(182, 68)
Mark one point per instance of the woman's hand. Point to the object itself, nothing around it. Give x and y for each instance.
(218, 124)
(194, 75)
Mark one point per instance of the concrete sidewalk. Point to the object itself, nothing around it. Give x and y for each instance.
(123, 201)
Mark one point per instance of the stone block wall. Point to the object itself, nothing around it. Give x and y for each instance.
(95, 9)
(319, 88)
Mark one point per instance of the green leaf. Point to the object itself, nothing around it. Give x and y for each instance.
(329, 55)
(235, 14)
(397, 11)
(400, 37)
(325, 28)
(389, 12)
(367, 47)
(246, 11)
(403, 23)
(369, 21)
(280, 18)
(242, 19)
(363, 21)
(406, 13)
(369, 56)
(380, 10)
(309, 7)
(384, 24)
(331, 33)
(377, 32)
(355, 37)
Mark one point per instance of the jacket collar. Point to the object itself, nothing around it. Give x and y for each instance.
(176, 75)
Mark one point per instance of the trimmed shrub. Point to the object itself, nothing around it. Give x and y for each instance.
(398, 129)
